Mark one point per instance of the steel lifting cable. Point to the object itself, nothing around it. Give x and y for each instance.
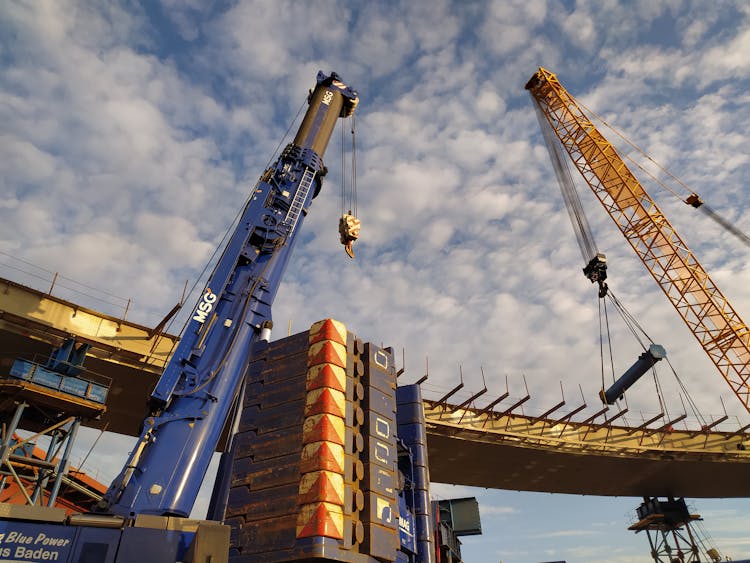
(632, 324)
(349, 197)
(635, 327)
(642, 152)
(603, 307)
(569, 193)
(343, 168)
(354, 167)
(601, 344)
(695, 201)
(237, 217)
(692, 198)
(693, 405)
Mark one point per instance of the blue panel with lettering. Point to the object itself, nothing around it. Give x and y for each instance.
(22, 369)
(98, 393)
(24, 541)
(46, 377)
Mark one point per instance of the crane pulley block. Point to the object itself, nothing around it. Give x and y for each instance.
(596, 271)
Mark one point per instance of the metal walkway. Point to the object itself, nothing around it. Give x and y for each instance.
(132, 356)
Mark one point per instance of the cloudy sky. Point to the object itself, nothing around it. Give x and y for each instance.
(130, 133)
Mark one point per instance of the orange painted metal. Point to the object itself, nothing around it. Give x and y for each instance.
(321, 489)
(706, 311)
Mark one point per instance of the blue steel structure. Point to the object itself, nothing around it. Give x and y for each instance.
(384, 495)
(415, 510)
(194, 397)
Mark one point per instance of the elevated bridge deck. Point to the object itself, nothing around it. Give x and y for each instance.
(466, 446)
(471, 447)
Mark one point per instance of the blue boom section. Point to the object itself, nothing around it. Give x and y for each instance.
(192, 400)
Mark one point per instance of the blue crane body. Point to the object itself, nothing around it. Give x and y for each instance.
(205, 390)
(193, 398)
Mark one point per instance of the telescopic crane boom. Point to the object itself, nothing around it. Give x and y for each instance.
(192, 400)
(706, 311)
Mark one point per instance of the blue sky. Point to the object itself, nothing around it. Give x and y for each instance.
(131, 132)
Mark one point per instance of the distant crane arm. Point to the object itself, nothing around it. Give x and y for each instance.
(705, 310)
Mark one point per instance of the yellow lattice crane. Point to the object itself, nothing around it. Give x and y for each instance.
(706, 311)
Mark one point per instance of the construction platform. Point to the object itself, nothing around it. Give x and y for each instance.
(127, 355)
(486, 447)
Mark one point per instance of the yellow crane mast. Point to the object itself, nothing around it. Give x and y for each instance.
(706, 311)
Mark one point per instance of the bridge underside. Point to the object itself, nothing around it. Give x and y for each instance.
(526, 454)
(465, 447)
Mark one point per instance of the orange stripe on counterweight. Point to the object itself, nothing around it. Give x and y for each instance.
(323, 428)
(321, 486)
(327, 352)
(320, 456)
(326, 375)
(325, 401)
(328, 329)
(320, 519)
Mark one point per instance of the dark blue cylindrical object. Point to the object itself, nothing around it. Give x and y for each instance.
(411, 430)
(644, 363)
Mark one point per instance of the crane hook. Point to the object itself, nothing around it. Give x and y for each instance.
(349, 227)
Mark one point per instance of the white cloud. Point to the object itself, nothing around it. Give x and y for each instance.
(489, 510)
(580, 28)
(124, 160)
(566, 534)
(507, 26)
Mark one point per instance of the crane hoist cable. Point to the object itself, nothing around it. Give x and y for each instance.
(596, 265)
(636, 330)
(604, 324)
(692, 199)
(349, 181)
(643, 339)
(349, 224)
(595, 268)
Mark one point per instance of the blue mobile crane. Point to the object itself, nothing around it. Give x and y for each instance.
(383, 511)
(194, 396)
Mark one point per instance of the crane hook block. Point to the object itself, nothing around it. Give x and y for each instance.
(349, 227)
(644, 363)
(694, 200)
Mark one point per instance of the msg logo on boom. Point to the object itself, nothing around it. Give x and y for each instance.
(204, 306)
